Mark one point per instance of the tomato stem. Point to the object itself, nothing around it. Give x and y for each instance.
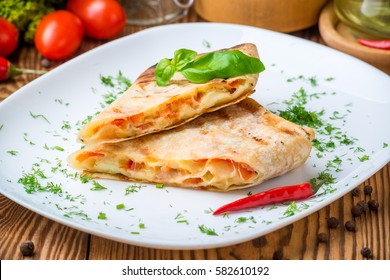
(8, 70)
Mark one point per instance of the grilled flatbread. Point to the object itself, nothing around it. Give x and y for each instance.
(146, 107)
(235, 147)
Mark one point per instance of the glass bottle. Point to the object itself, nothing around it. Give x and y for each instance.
(371, 17)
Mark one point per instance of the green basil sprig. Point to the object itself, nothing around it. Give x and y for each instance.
(222, 64)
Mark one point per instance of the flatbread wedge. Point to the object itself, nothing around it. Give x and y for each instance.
(146, 107)
(235, 147)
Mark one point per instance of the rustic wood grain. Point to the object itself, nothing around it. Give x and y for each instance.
(52, 240)
(296, 241)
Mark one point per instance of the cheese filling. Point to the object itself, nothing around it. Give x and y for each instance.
(218, 172)
(171, 113)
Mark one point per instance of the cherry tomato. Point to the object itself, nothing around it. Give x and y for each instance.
(102, 19)
(58, 35)
(9, 37)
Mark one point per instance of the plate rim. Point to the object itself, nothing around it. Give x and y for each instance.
(383, 160)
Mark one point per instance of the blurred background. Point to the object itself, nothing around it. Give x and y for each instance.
(57, 28)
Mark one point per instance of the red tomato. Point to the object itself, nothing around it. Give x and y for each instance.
(9, 37)
(58, 35)
(101, 19)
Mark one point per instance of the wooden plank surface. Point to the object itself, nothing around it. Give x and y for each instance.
(296, 241)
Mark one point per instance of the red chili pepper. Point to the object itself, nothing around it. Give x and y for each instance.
(377, 44)
(276, 195)
(8, 70)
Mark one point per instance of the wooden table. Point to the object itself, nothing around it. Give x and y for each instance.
(296, 241)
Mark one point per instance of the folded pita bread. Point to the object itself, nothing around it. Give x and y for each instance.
(146, 107)
(235, 147)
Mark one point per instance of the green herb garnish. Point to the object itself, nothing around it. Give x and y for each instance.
(132, 189)
(159, 186)
(97, 186)
(299, 115)
(66, 125)
(79, 213)
(206, 44)
(31, 183)
(245, 219)
(39, 116)
(223, 64)
(13, 153)
(206, 230)
(60, 101)
(364, 158)
(102, 216)
(58, 148)
(292, 209)
(120, 206)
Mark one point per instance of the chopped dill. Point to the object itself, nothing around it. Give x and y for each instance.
(32, 185)
(132, 189)
(245, 219)
(120, 206)
(66, 125)
(39, 116)
(13, 152)
(81, 214)
(364, 158)
(299, 115)
(291, 209)
(116, 85)
(102, 216)
(97, 186)
(206, 230)
(206, 44)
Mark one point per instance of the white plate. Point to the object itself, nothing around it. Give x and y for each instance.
(72, 91)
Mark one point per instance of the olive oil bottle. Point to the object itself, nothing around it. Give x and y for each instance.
(371, 17)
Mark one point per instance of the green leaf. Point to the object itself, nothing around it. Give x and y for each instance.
(225, 64)
(222, 65)
(164, 71)
(182, 57)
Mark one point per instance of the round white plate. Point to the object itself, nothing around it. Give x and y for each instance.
(39, 124)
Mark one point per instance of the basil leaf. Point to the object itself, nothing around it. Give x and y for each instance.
(164, 71)
(182, 57)
(226, 64)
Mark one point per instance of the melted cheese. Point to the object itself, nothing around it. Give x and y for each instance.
(217, 172)
(177, 110)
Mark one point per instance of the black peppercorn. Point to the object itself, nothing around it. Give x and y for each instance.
(27, 248)
(366, 252)
(350, 225)
(332, 222)
(363, 204)
(45, 63)
(357, 211)
(356, 192)
(323, 237)
(367, 190)
(373, 205)
(278, 255)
